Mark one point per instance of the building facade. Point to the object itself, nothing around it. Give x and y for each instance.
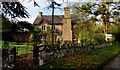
(63, 27)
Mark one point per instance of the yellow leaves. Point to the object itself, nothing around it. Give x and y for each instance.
(40, 44)
(68, 65)
(79, 64)
(83, 62)
(73, 61)
(94, 63)
(80, 61)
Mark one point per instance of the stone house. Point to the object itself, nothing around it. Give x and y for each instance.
(62, 24)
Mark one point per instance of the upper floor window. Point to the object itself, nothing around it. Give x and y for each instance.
(43, 27)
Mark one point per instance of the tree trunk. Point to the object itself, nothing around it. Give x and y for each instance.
(103, 23)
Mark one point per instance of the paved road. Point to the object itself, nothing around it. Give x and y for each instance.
(114, 64)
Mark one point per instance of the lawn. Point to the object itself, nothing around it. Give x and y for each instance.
(24, 49)
(21, 49)
(93, 59)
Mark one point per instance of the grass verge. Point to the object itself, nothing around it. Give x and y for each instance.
(93, 59)
(23, 49)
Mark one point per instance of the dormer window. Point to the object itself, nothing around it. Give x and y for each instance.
(43, 27)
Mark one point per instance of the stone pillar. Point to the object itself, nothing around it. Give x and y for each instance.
(67, 32)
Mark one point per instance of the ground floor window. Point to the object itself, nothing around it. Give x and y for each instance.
(74, 37)
(43, 37)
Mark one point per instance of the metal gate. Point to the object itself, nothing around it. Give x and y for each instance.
(24, 57)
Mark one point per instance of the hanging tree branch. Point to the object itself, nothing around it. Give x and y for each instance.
(14, 9)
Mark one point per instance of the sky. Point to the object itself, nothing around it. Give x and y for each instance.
(43, 8)
(33, 11)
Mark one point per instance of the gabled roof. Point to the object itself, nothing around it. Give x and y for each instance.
(42, 20)
(58, 19)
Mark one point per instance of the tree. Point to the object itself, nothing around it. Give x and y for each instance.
(13, 10)
(107, 10)
(86, 11)
(16, 9)
(35, 36)
(26, 25)
(8, 29)
(89, 32)
(116, 29)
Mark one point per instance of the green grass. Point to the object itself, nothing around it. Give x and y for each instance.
(21, 49)
(24, 49)
(0, 44)
(90, 60)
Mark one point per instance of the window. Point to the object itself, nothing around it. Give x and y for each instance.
(43, 27)
(74, 37)
(54, 27)
(43, 37)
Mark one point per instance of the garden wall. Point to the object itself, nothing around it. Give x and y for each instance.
(8, 58)
(48, 53)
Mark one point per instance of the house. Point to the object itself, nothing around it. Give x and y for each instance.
(63, 26)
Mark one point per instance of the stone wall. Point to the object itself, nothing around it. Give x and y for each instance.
(48, 53)
(8, 58)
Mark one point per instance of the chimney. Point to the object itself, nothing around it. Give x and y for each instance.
(66, 12)
(66, 31)
(40, 14)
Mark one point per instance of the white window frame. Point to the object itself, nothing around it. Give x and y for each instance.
(43, 27)
(74, 37)
(43, 37)
(54, 28)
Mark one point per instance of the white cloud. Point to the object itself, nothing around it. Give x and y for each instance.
(34, 10)
(42, 3)
(30, 20)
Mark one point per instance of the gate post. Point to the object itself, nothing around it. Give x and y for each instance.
(35, 55)
(14, 50)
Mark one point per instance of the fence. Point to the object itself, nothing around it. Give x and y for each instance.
(8, 58)
(47, 53)
(16, 57)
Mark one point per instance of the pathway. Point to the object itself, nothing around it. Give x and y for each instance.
(114, 64)
(25, 61)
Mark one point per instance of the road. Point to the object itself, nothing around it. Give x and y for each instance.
(113, 64)
(0, 58)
